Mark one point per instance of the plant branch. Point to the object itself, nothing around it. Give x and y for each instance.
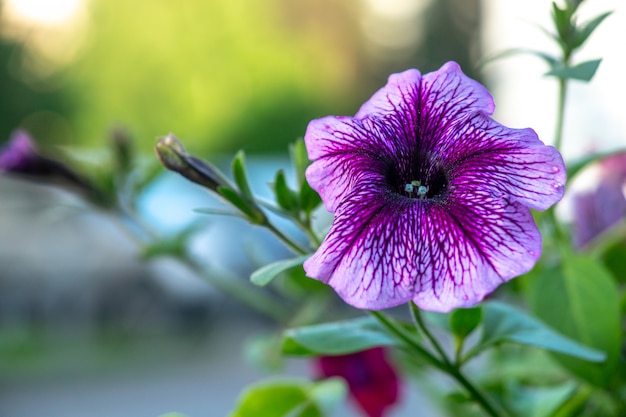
(417, 318)
(403, 335)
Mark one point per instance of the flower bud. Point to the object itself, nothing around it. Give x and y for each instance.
(174, 157)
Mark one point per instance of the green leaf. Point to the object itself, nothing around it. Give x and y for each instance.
(463, 321)
(240, 176)
(537, 401)
(583, 33)
(337, 338)
(276, 398)
(583, 71)
(549, 59)
(309, 198)
(299, 159)
(285, 197)
(572, 5)
(613, 258)
(267, 273)
(561, 19)
(250, 210)
(329, 393)
(218, 212)
(263, 351)
(581, 301)
(504, 323)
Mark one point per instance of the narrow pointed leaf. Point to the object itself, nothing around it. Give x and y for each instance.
(299, 159)
(503, 323)
(218, 212)
(253, 213)
(583, 33)
(266, 274)
(561, 18)
(337, 338)
(309, 198)
(240, 176)
(285, 197)
(549, 59)
(582, 72)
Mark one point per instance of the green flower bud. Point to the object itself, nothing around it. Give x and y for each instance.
(174, 157)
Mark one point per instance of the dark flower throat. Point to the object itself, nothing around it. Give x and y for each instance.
(420, 177)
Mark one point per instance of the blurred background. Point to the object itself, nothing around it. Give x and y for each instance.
(86, 326)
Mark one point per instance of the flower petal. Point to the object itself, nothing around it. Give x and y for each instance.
(448, 97)
(471, 245)
(509, 162)
(399, 96)
(373, 382)
(344, 148)
(18, 152)
(384, 251)
(368, 255)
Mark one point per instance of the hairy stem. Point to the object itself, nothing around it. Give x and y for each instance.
(253, 297)
(285, 239)
(560, 114)
(417, 318)
(442, 364)
(408, 340)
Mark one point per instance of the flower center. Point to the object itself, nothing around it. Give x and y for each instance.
(423, 178)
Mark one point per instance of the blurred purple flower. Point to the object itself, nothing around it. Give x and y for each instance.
(20, 156)
(431, 196)
(598, 210)
(372, 381)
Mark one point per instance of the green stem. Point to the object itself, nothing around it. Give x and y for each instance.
(232, 286)
(403, 335)
(454, 369)
(286, 240)
(479, 397)
(306, 226)
(239, 290)
(417, 317)
(558, 140)
(560, 115)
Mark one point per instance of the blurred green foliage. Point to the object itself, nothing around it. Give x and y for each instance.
(220, 75)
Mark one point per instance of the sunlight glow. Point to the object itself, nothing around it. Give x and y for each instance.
(44, 12)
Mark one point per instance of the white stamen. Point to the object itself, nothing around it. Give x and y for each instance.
(422, 190)
(408, 188)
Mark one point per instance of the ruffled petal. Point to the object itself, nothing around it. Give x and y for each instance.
(448, 97)
(343, 149)
(400, 95)
(383, 250)
(512, 163)
(471, 245)
(369, 253)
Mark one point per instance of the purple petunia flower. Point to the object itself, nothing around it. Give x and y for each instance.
(431, 196)
(597, 210)
(18, 154)
(372, 381)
